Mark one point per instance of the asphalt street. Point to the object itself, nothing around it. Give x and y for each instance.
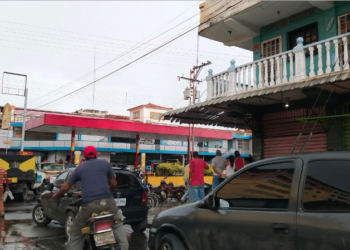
(19, 232)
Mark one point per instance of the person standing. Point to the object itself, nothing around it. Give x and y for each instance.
(196, 177)
(3, 178)
(97, 183)
(238, 161)
(218, 163)
(230, 166)
(186, 194)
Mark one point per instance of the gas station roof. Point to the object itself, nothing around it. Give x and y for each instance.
(57, 123)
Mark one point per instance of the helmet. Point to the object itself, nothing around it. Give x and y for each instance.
(162, 182)
(90, 152)
(171, 184)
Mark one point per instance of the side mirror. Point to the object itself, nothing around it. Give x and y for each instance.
(58, 183)
(210, 201)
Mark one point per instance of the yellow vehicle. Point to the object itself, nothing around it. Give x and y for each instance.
(21, 173)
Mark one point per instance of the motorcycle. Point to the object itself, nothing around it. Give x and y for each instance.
(98, 231)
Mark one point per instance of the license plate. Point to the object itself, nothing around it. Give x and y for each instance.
(121, 202)
(104, 238)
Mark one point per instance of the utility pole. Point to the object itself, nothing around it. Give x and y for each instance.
(192, 94)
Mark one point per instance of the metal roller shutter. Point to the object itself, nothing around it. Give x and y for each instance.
(347, 134)
(281, 131)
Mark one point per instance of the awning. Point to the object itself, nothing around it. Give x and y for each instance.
(56, 123)
(217, 111)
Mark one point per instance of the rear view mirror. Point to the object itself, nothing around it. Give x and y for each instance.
(58, 183)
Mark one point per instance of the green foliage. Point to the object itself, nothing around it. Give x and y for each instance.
(170, 169)
(209, 172)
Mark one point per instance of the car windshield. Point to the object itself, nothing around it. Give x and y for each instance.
(53, 167)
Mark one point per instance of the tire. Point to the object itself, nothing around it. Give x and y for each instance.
(171, 242)
(68, 222)
(39, 216)
(39, 190)
(179, 195)
(23, 196)
(140, 227)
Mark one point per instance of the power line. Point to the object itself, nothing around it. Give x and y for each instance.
(143, 56)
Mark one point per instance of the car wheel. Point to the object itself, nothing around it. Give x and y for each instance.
(69, 222)
(140, 227)
(171, 242)
(39, 216)
(39, 190)
(23, 196)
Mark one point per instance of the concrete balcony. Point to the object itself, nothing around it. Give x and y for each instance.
(304, 66)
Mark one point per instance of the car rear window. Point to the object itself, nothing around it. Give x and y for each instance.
(126, 181)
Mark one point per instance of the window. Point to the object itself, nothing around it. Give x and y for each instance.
(327, 186)
(60, 177)
(94, 138)
(155, 115)
(309, 33)
(259, 188)
(271, 47)
(65, 137)
(343, 27)
(242, 144)
(136, 115)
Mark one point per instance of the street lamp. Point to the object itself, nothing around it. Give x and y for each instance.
(11, 90)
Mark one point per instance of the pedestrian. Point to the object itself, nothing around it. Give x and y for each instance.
(238, 161)
(218, 164)
(3, 182)
(196, 177)
(248, 160)
(45, 160)
(230, 166)
(97, 184)
(60, 162)
(187, 184)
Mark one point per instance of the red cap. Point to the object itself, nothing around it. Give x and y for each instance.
(89, 152)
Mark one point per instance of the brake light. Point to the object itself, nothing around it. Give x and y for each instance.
(144, 199)
(102, 226)
(58, 172)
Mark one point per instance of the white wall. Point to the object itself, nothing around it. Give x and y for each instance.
(105, 155)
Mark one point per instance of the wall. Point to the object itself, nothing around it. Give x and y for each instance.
(57, 155)
(321, 17)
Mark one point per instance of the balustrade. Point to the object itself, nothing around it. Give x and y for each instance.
(313, 60)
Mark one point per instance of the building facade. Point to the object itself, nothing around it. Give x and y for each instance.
(294, 93)
(114, 145)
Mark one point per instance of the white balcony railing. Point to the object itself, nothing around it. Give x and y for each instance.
(65, 145)
(317, 59)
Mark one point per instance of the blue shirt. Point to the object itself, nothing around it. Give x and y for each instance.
(93, 176)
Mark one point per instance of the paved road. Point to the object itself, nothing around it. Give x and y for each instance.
(19, 232)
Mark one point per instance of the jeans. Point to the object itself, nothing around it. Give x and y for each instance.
(76, 238)
(186, 194)
(215, 182)
(197, 193)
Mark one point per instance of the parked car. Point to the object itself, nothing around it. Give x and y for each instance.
(292, 202)
(129, 196)
(53, 170)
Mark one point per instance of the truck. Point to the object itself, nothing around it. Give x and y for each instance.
(22, 174)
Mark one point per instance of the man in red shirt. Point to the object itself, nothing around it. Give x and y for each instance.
(196, 177)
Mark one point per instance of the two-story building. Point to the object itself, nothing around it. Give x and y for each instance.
(49, 134)
(295, 92)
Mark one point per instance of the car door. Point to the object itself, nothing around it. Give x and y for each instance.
(66, 199)
(51, 206)
(253, 209)
(323, 217)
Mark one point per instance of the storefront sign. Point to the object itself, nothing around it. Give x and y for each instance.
(291, 19)
(25, 153)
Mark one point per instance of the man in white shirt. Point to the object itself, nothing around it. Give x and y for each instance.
(218, 164)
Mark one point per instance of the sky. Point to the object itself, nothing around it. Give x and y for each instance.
(58, 44)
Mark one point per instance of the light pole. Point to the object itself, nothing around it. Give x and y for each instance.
(19, 92)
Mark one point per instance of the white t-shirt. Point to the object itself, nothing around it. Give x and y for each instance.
(219, 163)
(229, 170)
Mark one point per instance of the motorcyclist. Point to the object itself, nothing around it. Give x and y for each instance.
(94, 176)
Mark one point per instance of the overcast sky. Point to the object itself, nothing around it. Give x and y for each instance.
(53, 44)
